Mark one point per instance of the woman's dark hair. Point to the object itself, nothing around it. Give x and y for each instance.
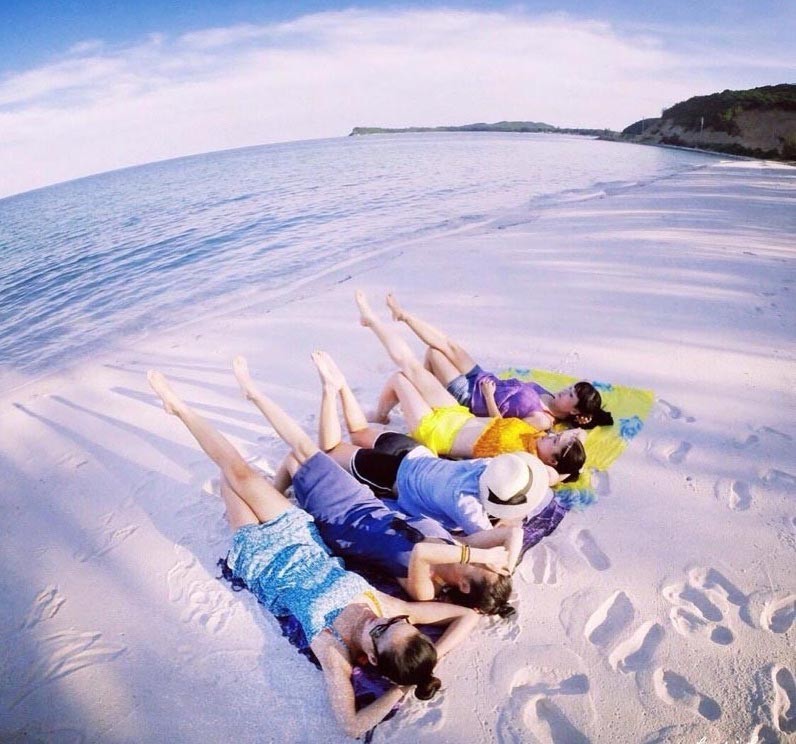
(412, 664)
(590, 404)
(571, 460)
(488, 597)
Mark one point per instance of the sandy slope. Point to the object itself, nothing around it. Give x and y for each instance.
(663, 613)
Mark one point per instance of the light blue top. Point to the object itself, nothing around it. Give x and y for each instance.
(445, 490)
(285, 564)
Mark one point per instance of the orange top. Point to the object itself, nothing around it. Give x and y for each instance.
(504, 435)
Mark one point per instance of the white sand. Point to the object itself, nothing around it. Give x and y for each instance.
(663, 613)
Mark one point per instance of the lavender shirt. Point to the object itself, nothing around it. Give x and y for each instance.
(515, 398)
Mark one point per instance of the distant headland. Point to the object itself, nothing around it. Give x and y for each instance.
(500, 126)
(759, 123)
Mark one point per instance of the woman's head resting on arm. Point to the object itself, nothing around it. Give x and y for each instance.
(482, 589)
(404, 655)
(581, 405)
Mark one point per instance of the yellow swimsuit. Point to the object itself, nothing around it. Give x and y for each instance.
(507, 435)
(438, 429)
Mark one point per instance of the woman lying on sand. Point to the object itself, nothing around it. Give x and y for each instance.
(578, 405)
(459, 494)
(438, 421)
(277, 552)
(357, 526)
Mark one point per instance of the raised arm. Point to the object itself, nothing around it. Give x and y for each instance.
(488, 391)
(461, 621)
(426, 555)
(337, 673)
(508, 537)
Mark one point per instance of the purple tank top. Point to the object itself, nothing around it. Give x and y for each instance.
(515, 398)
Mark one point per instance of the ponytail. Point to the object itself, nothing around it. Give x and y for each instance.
(428, 688)
(412, 664)
(590, 405)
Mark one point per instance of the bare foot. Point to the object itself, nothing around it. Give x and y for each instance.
(395, 308)
(241, 369)
(157, 382)
(330, 373)
(366, 315)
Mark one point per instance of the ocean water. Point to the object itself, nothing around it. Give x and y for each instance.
(87, 263)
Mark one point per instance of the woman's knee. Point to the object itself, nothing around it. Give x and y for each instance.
(401, 385)
(436, 360)
(460, 357)
(239, 473)
(414, 370)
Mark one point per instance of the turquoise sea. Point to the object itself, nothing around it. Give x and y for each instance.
(86, 263)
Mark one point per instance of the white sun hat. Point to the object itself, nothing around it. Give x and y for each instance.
(514, 485)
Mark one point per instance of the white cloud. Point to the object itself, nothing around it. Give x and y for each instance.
(317, 76)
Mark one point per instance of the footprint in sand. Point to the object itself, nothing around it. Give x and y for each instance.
(664, 409)
(425, 716)
(601, 483)
(784, 708)
(59, 654)
(771, 431)
(779, 480)
(550, 724)
(678, 454)
(609, 620)
(676, 690)
(536, 695)
(103, 540)
(203, 602)
(590, 551)
(541, 566)
(764, 734)
(669, 452)
(737, 494)
(750, 441)
(73, 460)
(45, 607)
(636, 653)
(778, 615)
(65, 653)
(697, 605)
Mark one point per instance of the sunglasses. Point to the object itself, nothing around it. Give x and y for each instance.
(379, 630)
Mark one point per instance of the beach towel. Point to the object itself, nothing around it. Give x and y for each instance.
(369, 685)
(629, 407)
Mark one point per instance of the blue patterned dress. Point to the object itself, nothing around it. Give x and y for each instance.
(286, 565)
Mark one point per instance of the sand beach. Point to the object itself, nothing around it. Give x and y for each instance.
(662, 613)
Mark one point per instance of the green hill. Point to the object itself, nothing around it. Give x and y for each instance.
(760, 122)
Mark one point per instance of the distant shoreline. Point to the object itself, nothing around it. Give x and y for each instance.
(606, 135)
(525, 127)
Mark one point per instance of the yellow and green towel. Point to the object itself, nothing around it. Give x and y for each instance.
(629, 407)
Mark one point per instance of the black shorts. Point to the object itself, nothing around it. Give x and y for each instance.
(377, 468)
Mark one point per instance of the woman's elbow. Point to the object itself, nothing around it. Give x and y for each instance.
(354, 730)
(423, 593)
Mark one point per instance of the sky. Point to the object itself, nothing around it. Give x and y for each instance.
(91, 86)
